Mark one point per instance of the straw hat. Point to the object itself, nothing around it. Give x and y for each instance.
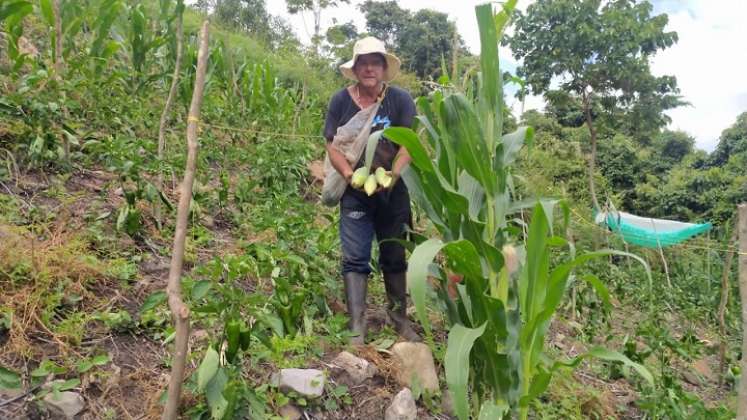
(369, 45)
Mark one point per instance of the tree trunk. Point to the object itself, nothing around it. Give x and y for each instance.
(742, 393)
(722, 305)
(180, 311)
(167, 106)
(593, 155)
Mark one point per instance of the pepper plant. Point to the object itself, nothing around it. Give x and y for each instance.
(507, 290)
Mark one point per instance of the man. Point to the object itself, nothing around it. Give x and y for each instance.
(386, 213)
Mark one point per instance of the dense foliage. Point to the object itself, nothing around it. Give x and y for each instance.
(83, 248)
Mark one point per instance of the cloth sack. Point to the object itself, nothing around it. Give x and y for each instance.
(351, 140)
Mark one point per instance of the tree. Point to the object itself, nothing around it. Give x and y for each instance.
(422, 40)
(340, 39)
(250, 16)
(597, 50)
(733, 140)
(315, 7)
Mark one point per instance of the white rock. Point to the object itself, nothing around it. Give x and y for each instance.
(416, 361)
(402, 407)
(65, 405)
(357, 369)
(305, 382)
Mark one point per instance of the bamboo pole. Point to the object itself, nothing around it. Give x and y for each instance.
(170, 101)
(722, 306)
(742, 394)
(180, 311)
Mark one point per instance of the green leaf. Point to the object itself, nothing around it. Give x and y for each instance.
(153, 300)
(47, 12)
(214, 394)
(9, 379)
(84, 366)
(101, 360)
(208, 368)
(456, 365)
(492, 411)
(17, 9)
(609, 355)
(409, 140)
(468, 140)
(200, 289)
(417, 276)
(69, 384)
(513, 142)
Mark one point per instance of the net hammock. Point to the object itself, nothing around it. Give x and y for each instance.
(648, 232)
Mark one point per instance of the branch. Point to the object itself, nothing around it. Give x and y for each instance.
(180, 311)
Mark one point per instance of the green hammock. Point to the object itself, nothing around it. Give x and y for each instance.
(648, 232)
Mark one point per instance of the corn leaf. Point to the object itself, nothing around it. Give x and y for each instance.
(456, 364)
(417, 276)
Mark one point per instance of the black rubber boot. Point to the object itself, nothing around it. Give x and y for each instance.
(396, 291)
(356, 285)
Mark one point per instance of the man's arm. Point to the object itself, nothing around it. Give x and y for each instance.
(339, 162)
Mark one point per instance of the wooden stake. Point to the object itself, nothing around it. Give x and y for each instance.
(169, 101)
(742, 393)
(180, 311)
(722, 306)
(58, 38)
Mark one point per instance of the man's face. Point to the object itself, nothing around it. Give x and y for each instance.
(369, 69)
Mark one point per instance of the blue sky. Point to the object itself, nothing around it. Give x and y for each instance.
(709, 60)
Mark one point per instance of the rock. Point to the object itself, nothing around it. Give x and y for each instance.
(402, 407)
(703, 369)
(305, 382)
(290, 412)
(356, 368)
(416, 361)
(691, 378)
(66, 404)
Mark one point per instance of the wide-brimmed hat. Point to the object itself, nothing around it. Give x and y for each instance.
(370, 45)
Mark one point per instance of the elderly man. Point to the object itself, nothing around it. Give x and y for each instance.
(386, 213)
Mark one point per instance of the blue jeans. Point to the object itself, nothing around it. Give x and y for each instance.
(387, 215)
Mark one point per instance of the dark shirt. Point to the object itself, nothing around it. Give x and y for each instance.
(397, 110)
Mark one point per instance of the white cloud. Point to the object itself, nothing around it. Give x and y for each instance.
(707, 61)
(709, 65)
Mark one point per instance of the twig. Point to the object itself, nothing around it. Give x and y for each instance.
(18, 397)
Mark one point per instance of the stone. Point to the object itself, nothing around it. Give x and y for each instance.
(703, 369)
(305, 382)
(357, 369)
(66, 404)
(290, 412)
(402, 407)
(415, 360)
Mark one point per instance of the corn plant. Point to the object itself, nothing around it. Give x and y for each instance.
(11, 16)
(506, 290)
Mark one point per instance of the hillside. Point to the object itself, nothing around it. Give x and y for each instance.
(87, 220)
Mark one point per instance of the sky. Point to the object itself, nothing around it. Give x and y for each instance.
(709, 60)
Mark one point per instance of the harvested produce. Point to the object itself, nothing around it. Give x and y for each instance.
(383, 177)
(359, 177)
(370, 186)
